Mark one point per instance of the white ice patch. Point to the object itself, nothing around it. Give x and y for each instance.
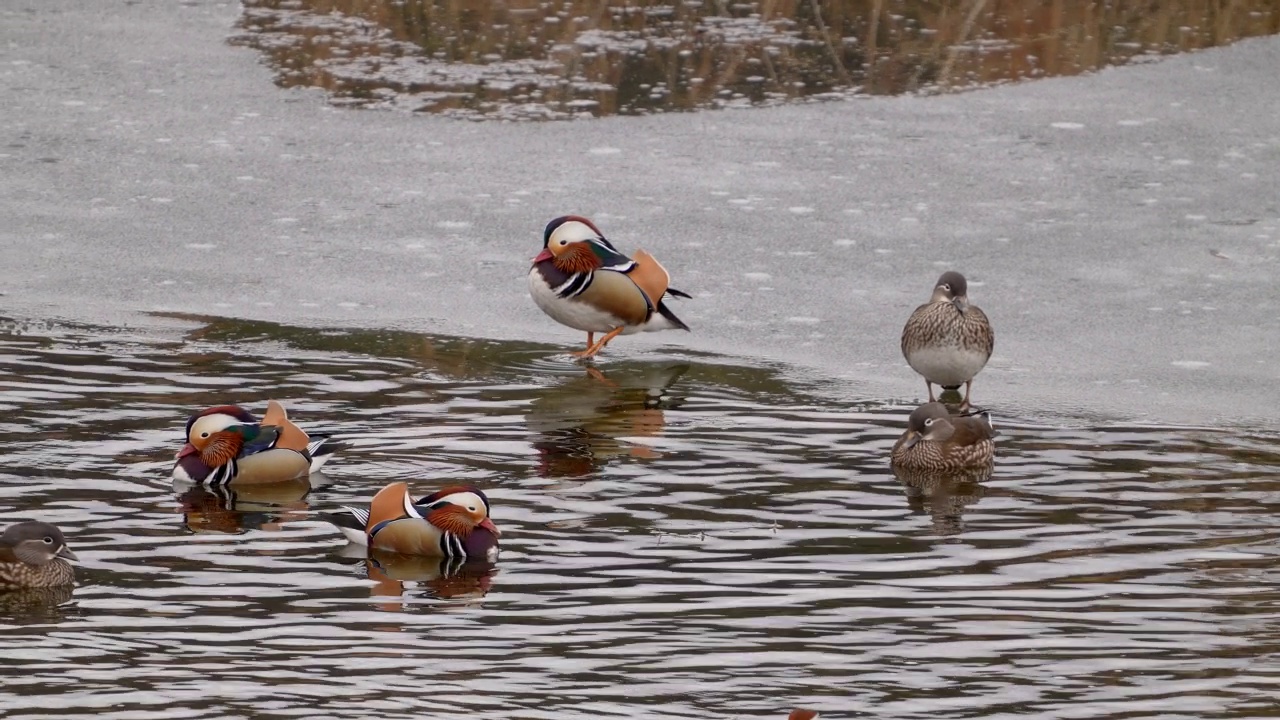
(453, 224)
(757, 276)
(604, 151)
(1189, 364)
(1067, 125)
(800, 210)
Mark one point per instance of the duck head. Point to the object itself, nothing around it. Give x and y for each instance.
(930, 421)
(459, 510)
(217, 435)
(952, 288)
(574, 244)
(36, 543)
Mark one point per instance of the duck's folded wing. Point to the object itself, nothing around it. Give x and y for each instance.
(649, 275)
(291, 437)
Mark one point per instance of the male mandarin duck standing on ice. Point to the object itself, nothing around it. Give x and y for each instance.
(226, 446)
(581, 280)
(452, 523)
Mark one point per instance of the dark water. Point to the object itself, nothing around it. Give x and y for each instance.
(569, 58)
(682, 539)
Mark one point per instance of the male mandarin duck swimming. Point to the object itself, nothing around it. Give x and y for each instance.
(453, 522)
(936, 440)
(948, 340)
(34, 555)
(581, 280)
(227, 445)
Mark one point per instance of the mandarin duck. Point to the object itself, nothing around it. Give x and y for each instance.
(453, 522)
(936, 440)
(948, 340)
(802, 714)
(34, 555)
(227, 445)
(582, 281)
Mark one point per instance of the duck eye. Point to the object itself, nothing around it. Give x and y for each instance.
(48, 540)
(204, 434)
(928, 422)
(471, 509)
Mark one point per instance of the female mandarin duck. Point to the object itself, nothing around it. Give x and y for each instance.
(581, 280)
(451, 523)
(948, 340)
(226, 445)
(936, 440)
(34, 555)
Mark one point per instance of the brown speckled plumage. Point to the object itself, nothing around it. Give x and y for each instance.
(948, 340)
(31, 556)
(939, 441)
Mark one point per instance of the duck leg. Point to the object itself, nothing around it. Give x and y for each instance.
(591, 338)
(967, 385)
(595, 349)
(929, 386)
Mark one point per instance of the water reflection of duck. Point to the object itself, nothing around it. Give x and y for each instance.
(936, 440)
(445, 578)
(35, 605)
(578, 426)
(944, 495)
(232, 510)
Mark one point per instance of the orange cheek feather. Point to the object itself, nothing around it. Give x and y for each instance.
(577, 258)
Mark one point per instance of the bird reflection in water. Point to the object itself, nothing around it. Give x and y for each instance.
(944, 494)
(35, 606)
(221, 509)
(581, 425)
(443, 578)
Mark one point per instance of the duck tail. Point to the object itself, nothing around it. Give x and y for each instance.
(351, 524)
(665, 312)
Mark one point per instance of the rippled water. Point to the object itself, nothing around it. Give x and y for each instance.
(569, 58)
(682, 538)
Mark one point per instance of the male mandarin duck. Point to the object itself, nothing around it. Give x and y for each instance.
(948, 340)
(34, 555)
(581, 280)
(453, 522)
(227, 445)
(936, 440)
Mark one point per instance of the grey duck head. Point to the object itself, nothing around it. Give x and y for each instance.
(952, 288)
(36, 543)
(930, 421)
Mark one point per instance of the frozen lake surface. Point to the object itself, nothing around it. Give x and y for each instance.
(1121, 228)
